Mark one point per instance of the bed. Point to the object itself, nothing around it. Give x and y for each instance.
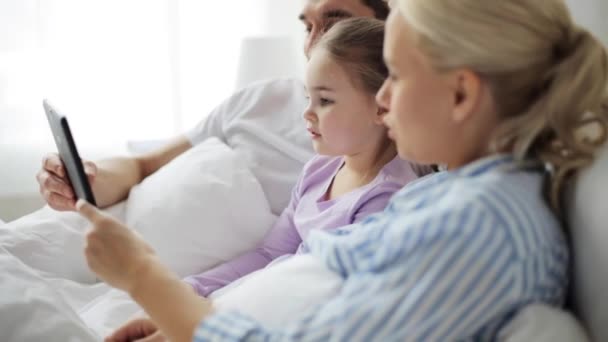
(49, 294)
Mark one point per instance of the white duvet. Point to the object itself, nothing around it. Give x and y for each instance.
(37, 305)
(203, 208)
(33, 308)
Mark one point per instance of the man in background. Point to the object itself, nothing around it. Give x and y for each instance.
(263, 119)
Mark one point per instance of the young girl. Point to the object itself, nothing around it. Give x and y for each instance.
(357, 169)
(495, 90)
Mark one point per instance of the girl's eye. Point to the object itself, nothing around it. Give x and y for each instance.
(325, 102)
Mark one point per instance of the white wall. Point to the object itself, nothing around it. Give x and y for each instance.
(593, 15)
(165, 63)
(282, 19)
(199, 57)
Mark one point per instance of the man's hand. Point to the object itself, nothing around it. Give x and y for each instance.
(140, 329)
(54, 183)
(114, 252)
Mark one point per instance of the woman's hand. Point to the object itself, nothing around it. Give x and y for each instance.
(114, 252)
(140, 329)
(119, 257)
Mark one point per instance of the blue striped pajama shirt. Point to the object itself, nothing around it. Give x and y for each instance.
(453, 257)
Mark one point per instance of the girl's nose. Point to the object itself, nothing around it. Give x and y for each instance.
(309, 115)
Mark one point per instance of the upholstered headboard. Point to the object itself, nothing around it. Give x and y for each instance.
(588, 222)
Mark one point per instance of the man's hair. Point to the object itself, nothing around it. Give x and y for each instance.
(380, 8)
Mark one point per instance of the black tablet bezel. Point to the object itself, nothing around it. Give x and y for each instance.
(68, 153)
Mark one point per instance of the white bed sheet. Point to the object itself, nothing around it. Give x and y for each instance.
(36, 305)
(88, 310)
(32, 308)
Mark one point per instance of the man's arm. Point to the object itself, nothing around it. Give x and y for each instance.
(111, 179)
(116, 176)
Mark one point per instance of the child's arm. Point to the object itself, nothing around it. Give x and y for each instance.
(283, 238)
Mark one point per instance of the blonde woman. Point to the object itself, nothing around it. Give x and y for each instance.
(499, 91)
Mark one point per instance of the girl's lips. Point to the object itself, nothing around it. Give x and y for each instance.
(313, 133)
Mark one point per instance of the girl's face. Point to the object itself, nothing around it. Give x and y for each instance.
(342, 119)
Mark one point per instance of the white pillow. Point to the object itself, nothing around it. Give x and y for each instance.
(588, 223)
(542, 323)
(203, 208)
(279, 293)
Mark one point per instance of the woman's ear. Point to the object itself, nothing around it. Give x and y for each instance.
(466, 87)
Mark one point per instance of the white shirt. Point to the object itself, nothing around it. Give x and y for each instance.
(264, 123)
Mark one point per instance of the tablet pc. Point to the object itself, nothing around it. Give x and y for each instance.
(68, 153)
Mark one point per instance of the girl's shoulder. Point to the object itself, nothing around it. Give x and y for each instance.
(317, 171)
(394, 175)
(322, 164)
(397, 171)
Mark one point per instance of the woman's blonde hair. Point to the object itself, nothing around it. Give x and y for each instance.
(549, 77)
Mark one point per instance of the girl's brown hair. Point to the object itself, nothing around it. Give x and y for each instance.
(356, 44)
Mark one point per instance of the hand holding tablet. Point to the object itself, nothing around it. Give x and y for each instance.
(69, 154)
